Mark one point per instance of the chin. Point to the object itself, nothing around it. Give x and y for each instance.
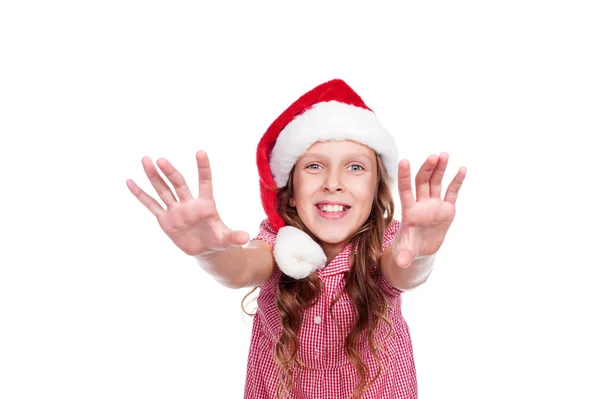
(331, 232)
(333, 235)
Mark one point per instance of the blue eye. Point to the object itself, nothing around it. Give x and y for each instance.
(357, 166)
(311, 166)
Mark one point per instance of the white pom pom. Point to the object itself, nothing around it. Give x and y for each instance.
(297, 254)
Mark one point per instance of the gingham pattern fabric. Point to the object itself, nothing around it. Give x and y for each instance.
(328, 374)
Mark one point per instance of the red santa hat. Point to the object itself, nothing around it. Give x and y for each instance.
(330, 111)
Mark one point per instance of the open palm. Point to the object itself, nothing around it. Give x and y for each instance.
(426, 220)
(193, 224)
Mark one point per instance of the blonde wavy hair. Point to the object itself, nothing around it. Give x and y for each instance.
(365, 295)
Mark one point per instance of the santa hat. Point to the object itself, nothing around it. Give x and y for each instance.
(330, 111)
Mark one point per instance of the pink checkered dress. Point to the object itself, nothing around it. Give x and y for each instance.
(328, 374)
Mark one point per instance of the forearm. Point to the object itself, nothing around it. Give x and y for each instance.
(238, 266)
(226, 266)
(406, 278)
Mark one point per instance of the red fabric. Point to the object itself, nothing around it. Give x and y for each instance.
(329, 374)
(335, 89)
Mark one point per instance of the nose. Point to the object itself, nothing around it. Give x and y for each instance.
(333, 182)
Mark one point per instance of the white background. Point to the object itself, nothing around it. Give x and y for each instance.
(96, 302)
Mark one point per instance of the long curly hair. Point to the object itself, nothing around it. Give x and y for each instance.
(366, 297)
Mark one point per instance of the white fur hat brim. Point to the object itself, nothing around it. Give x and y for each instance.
(297, 254)
(331, 120)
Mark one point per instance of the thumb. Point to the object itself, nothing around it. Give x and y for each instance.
(404, 258)
(238, 238)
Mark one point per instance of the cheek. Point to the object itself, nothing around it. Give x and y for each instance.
(363, 191)
(304, 191)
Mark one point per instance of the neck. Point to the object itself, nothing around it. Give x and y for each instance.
(332, 250)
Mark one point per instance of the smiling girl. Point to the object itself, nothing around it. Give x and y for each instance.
(330, 260)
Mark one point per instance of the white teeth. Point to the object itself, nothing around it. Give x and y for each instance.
(332, 208)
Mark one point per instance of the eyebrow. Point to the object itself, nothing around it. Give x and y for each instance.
(349, 155)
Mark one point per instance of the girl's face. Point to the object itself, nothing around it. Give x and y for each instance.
(335, 184)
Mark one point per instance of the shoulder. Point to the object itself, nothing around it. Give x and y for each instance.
(388, 240)
(265, 238)
(266, 233)
(393, 226)
(390, 233)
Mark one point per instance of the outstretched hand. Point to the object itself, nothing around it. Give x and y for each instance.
(193, 224)
(425, 222)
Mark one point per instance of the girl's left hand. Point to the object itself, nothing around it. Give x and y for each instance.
(425, 222)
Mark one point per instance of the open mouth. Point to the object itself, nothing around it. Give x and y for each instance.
(332, 211)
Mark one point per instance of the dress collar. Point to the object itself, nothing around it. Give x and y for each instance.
(339, 264)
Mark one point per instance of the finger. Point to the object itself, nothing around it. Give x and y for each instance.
(149, 202)
(238, 238)
(404, 258)
(435, 183)
(161, 187)
(204, 176)
(455, 185)
(407, 198)
(176, 179)
(423, 176)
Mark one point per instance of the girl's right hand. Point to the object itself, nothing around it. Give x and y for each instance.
(193, 224)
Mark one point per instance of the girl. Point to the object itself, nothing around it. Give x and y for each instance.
(330, 260)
